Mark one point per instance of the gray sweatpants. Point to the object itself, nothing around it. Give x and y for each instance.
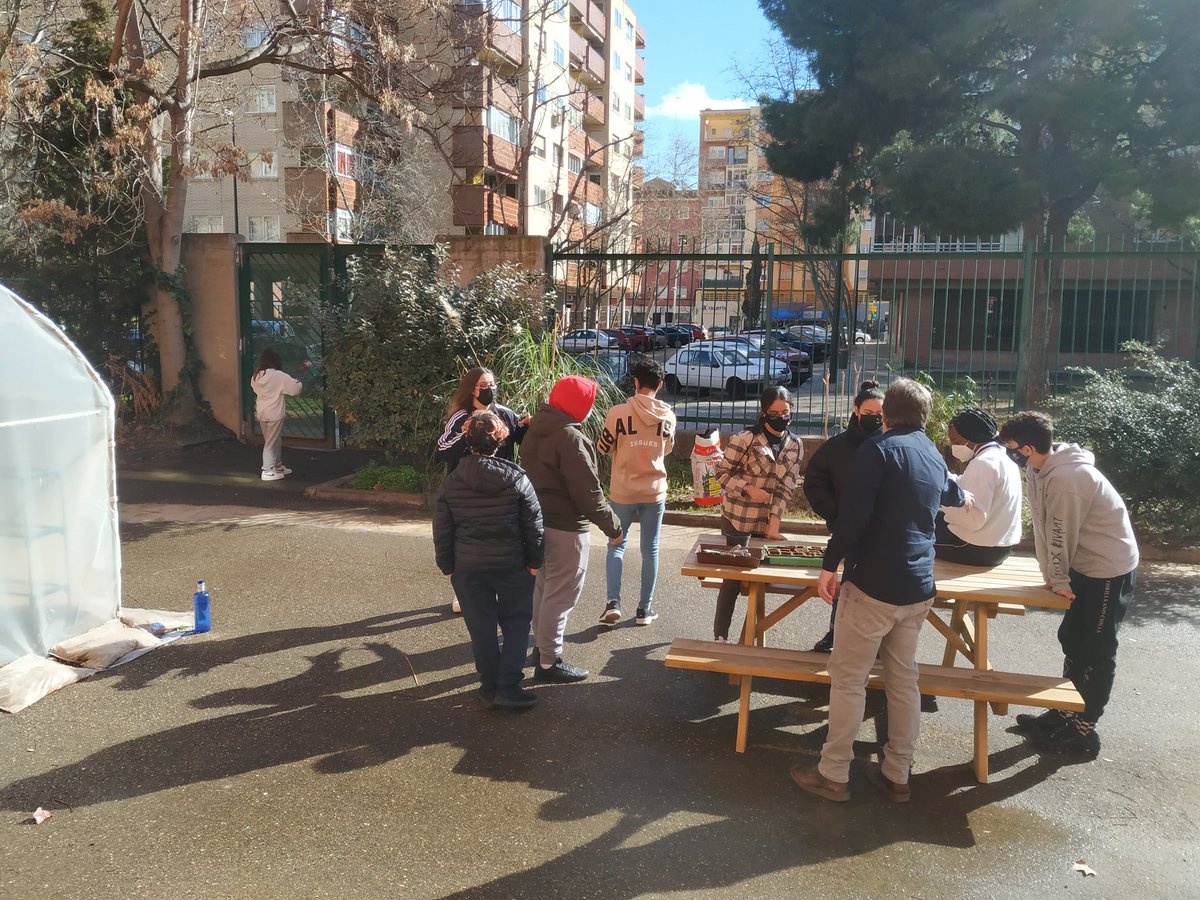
(272, 443)
(559, 585)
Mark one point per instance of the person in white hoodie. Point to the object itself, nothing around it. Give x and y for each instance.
(639, 434)
(1088, 553)
(983, 535)
(271, 384)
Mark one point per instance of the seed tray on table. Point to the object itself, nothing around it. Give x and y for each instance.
(730, 557)
(794, 554)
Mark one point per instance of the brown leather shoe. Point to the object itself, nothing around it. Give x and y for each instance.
(815, 783)
(897, 793)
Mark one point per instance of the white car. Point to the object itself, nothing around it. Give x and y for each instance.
(586, 339)
(715, 365)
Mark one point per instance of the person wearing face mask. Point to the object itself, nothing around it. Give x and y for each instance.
(561, 462)
(758, 474)
(985, 534)
(1088, 553)
(826, 476)
(476, 392)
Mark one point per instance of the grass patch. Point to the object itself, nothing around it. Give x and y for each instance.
(376, 476)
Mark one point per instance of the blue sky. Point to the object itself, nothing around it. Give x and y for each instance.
(690, 49)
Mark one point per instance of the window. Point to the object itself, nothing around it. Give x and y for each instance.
(558, 156)
(503, 125)
(264, 228)
(255, 36)
(966, 319)
(343, 160)
(208, 224)
(539, 146)
(591, 214)
(540, 196)
(716, 152)
(726, 132)
(629, 73)
(616, 62)
(264, 165)
(629, 29)
(560, 55)
(560, 8)
(540, 92)
(347, 32)
(618, 20)
(627, 112)
(616, 102)
(509, 12)
(341, 225)
(259, 99)
(1096, 320)
(574, 163)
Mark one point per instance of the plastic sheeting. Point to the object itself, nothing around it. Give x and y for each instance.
(60, 555)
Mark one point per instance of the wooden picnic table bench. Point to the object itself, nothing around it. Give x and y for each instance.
(972, 596)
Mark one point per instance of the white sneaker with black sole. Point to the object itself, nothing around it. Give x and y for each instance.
(612, 613)
(646, 616)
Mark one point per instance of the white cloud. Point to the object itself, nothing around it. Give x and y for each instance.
(685, 100)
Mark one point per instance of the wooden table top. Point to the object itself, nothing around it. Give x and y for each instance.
(1017, 580)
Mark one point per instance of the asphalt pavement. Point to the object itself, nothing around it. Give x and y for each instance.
(325, 740)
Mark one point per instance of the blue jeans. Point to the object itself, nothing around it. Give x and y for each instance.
(650, 515)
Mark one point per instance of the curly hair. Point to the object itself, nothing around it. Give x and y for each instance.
(485, 432)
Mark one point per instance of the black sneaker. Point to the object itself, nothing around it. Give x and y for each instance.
(825, 644)
(646, 616)
(559, 673)
(534, 658)
(612, 613)
(514, 698)
(1069, 738)
(487, 696)
(1045, 723)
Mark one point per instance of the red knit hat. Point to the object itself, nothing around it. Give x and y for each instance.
(574, 396)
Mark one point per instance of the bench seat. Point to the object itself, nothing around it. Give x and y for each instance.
(941, 681)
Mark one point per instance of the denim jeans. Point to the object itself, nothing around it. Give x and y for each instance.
(650, 515)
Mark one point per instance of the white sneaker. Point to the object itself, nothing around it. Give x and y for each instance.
(272, 475)
(282, 469)
(455, 606)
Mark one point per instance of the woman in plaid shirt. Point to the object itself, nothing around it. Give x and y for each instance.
(758, 473)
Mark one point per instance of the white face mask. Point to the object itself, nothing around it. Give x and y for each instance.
(962, 452)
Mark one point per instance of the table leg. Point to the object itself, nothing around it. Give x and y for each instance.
(743, 726)
(981, 706)
(755, 599)
(956, 624)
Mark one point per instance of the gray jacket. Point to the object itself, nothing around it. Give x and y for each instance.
(1079, 520)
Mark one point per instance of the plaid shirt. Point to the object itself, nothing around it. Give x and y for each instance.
(750, 461)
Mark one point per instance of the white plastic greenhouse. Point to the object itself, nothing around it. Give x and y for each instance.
(60, 556)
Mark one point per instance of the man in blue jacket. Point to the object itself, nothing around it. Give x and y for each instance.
(885, 534)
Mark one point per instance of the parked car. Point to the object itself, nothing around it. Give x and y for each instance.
(608, 365)
(698, 332)
(714, 365)
(632, 338)
(653, 335)
(673, 336)
(586, 339)
(798, 362)
(620, 339)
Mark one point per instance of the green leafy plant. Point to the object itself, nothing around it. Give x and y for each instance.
(1139, 420)
(379, 476)
(947, 400)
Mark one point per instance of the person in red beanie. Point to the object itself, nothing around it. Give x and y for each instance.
(561, 463)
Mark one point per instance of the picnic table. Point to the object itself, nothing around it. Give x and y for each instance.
(969, 597)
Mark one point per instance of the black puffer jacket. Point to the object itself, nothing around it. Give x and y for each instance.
(825, 477)
(487, 518)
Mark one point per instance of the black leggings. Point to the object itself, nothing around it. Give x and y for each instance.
(950, 547)
(728, 593)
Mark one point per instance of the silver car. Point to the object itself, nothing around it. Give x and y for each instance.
(718, 365)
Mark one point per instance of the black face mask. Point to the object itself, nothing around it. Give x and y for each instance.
(487, 396)
(777, 423)
(870, 424)
(1017, 456)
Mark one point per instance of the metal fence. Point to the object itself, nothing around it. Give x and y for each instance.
(823, 323)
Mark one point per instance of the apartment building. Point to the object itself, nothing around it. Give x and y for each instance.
(669, 222)
(533, 132)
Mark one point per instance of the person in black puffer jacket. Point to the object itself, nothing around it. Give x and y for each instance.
(828, 470)
(488, 537)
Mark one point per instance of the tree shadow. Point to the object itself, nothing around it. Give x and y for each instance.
(1165, 593)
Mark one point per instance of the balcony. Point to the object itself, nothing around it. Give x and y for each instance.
(640, 42)
(594, 110)
(639, 69)
(587, 63)
(474, 147)
(639, 144)
(578, 47)
(478, 87)
(476, 205)
(492, 40)
(588, 19)
(597, 155)
(639, 107)
(592, 193)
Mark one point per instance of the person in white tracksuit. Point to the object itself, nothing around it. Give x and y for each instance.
(271, 384)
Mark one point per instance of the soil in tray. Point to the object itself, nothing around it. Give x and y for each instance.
(805, 552)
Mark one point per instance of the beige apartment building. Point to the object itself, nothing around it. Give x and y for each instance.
(532, 132)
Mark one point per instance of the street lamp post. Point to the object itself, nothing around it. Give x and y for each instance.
(678, 279)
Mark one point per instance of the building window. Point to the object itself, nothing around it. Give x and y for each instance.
(1096, 320)
(540, 196)
(264, 228)
(629, 29)
(255, 36)
(726, 132)
(265, 165)
(503, 125)
(574, 163)
(716, 152)
(560, 8)
(560, 55)
(259, 99)
(312, 157)
(509, 12)
(629, 73)
(341, 225)
(208, 224)
(347, 32)
(540, 92)
(539, 146)
(966, 319)
(618, 20)
(616, 62)
(627, 112)
(558, 156)
(343, 160)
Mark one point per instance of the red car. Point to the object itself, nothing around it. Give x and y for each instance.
(699, 332)
(621, 339)
(640, 339)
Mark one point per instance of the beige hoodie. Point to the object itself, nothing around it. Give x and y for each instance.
(639, 433)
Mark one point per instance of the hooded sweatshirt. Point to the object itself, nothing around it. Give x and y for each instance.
(1079, 520)
(561, 461)
(639, 433)
(270, 387)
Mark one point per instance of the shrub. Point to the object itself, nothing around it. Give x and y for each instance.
(1140, 423)
(947, 401)
(385, 477)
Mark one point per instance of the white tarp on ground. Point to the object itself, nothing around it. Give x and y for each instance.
(60, 554)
